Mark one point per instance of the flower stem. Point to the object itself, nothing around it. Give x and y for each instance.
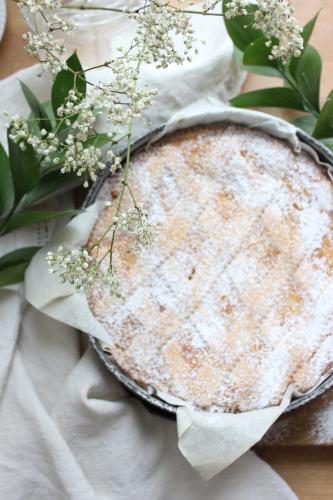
(124, 185)
(127, 11)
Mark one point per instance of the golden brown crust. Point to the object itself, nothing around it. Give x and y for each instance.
(234, 301)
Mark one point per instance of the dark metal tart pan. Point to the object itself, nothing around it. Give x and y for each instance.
(149, 395)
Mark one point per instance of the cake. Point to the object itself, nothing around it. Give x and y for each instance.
(233, 302)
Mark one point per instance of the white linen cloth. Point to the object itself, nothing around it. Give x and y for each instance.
(68, 430)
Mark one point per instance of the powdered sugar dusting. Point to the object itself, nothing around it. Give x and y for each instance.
(233, 302)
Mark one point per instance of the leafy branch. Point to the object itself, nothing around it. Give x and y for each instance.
(301, 78)
(24, 180)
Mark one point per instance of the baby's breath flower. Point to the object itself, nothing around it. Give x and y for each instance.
(276, 20)
(122, 99)
(49, 50)
(71, 105)
(156, 25)
(237, 8)
(84, 123)
(18, 130)
(111, 281)
(82, 110)
(80, 269)
(134, 100)
(76, 267)
(56, 23)
(82, 160)
(135, 222)
(39, 5)
(114, 161)
(45, 145)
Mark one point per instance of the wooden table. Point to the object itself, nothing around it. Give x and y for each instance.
(298, 445)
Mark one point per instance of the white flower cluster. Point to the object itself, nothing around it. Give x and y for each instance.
(114, 161)
(122, 100)
(135, 223)
(43, 44)
(18, 131)
(84, 160)
(76, 267)
(44, 145)
(276, 20)
(84, 123)
(236, 8)
(56, 23)
(83, 110)
(80, 269)
(71, 105)
(49, 50)
(154, 37)
(73, 156)
(39, 5)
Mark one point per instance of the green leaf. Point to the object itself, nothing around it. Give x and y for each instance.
(306, 34)
(37, 108)
(99, 141)
(306, 123)
(308, 76)
(50, 184)
(33, 125)
(66, 80)
(324, 126)
(259, 70)
(308, 29)
(239, 28)
(17, 257)
(7, 194)
(24, 167)
(32, 216)
(47, 105)
(13, 274)
(257, 55)
(14, 264)
(273, 97)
